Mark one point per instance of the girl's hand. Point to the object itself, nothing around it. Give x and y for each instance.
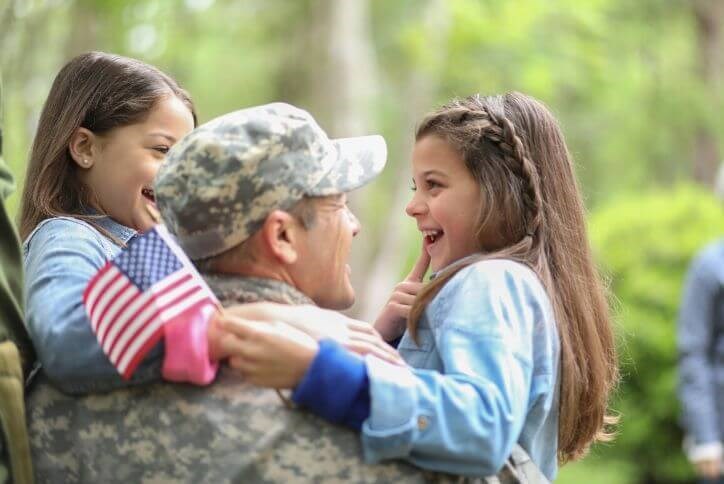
(214, 334)
(221, 342)
(392, 320)
(269, 354)
(357, 336)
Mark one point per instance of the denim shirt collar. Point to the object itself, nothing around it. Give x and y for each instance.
(125, 234)
(458, 262)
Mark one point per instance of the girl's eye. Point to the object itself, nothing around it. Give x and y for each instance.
(433, 184)
(161, 149)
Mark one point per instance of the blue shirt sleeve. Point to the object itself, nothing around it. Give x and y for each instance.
(466, 419)
(697, 320)
(335, 386)
(61, 257)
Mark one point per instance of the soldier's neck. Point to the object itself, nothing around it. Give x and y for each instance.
(263, 270)
(238, 289)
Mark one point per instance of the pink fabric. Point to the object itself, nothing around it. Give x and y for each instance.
(187, 349)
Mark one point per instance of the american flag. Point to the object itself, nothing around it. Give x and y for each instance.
(130, 299)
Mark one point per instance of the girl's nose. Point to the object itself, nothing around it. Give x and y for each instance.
(415, 207)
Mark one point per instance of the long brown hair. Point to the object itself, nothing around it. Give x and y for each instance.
(532, 212)
(99, 92)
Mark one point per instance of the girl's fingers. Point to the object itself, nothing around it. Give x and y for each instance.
(241, 365)
(230, 345)
(363, 348)
(409, 287)
(377, 343)
(402, 298)
(243, 328)
(402, 311)
(417, 274)
(361, 326)
(262, 311)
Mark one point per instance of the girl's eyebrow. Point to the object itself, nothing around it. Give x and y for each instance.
(163, 135)
(433, 172)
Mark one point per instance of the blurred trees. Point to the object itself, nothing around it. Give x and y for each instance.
(636, 86)
(645, 244)
(709, 17)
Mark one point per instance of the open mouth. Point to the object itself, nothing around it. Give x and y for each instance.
(148, 194)
(432, 236)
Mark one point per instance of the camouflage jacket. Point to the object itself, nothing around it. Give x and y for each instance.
(227, 432)
(16, 351)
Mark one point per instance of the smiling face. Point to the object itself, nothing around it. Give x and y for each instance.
(322, 271)
(126, 159)
(446, 202)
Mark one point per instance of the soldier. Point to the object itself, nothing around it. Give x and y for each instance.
(256, 199)
(14, 450)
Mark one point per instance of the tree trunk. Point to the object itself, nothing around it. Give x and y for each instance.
(343, 86)
(344, 81)
(709, 15)
(418, 92)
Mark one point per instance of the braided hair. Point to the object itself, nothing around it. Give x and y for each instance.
(531, 212)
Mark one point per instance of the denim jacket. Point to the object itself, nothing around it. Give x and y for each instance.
(61, 255)
(485, 375)
(701, 354)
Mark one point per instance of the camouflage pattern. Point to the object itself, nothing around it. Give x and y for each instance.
(254, 289)
(218, 185)
(228, 432)
(220, 182)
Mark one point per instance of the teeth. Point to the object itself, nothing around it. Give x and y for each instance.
(430, 233)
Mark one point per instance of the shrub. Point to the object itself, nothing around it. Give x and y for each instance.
(644, 244)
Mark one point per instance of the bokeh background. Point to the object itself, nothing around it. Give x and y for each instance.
(636, 86)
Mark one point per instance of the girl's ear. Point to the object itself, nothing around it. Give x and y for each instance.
(83, 146)
(280, 236)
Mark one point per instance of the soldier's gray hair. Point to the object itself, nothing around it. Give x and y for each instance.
(304, 211)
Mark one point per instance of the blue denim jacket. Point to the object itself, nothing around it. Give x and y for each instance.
(701, 352)
(485, 376)
(61, 255)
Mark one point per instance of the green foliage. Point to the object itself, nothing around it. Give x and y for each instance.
(622, 77)
(644, 244)
(596, 469)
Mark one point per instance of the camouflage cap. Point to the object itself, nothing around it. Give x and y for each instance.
(220, 182)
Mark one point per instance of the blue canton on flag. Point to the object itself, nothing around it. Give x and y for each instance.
(129, 300)
(147, 260)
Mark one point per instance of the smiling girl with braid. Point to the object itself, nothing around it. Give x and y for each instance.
(511, 341)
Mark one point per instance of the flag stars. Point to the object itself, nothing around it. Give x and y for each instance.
(147, 260)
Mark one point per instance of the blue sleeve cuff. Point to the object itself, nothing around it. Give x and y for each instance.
(336, 386)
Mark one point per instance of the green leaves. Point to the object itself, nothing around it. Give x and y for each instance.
(644, 243)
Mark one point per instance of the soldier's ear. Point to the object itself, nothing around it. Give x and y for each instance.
(280, 236)
(83, 147)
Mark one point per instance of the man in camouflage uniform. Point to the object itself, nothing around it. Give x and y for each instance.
(14, 450)
(216, 192)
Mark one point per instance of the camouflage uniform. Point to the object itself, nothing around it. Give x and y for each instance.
(14, 450)
(215, 190)
(228, 432)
